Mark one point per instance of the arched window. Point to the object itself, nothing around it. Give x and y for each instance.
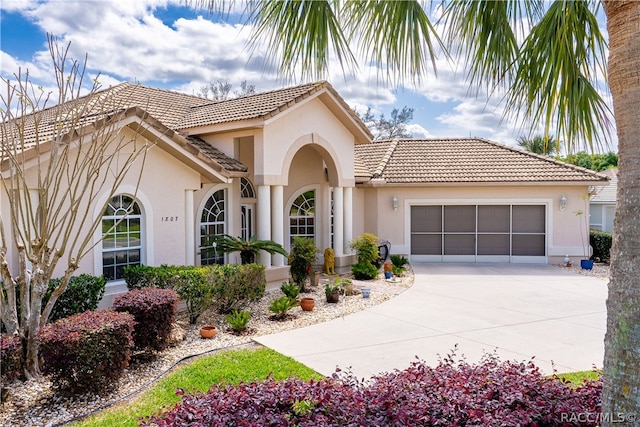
(302, 216)
(212, 223)
(121, 236)
(246, 189)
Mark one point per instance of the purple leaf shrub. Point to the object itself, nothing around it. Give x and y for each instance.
(454, 393)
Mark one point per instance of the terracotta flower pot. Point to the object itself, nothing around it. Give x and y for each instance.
(208, 331)
(307, 304)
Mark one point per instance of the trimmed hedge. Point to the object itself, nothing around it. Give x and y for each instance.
(453, 393)
(235, 286)
(191, 282)
(83, 293)
(10, 357)
(87, 351)
(154, 311)
(601, 242)
(144, 276)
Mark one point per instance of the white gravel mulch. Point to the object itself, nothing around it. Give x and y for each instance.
(33, 403)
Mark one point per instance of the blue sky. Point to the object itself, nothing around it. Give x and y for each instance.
(162, 43)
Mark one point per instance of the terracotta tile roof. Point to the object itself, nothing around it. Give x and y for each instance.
(166, 106)
(228, 163)
(460, 160)
(179, 111)
(259, 105)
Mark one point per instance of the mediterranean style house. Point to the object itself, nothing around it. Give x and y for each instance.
(299, 162)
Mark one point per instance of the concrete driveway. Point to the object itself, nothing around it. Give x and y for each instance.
(520, 311)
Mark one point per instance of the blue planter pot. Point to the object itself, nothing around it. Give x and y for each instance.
(586, 264)
(366, 292)
(387, 275)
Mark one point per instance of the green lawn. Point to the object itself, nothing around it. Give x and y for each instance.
(225, 367)
(577, 378)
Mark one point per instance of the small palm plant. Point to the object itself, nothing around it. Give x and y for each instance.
(238, 320)
(281, 306)
(249, 249)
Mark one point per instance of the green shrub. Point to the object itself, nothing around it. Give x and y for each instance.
(397, 271)
(235, 286)
(195, 290)
(364, 271)
(191, 282)
(87, 351)
(238, 320)
(366, 247)
(83, 293)
(291, 290)
(302, 256)
(281, 306)
(601, 243)
(154, 311)
(144, 276)
(10, 357)
(399, 260)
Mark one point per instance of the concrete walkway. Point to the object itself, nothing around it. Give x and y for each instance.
(521, 311)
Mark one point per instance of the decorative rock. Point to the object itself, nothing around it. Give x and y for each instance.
(176, 336)
(33, 403)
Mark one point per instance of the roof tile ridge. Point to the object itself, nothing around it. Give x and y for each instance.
(169, 91)
(384, 161)
(545, 158)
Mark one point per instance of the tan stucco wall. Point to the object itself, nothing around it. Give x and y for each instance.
(161, 195)
(309, 123)
(563, 232)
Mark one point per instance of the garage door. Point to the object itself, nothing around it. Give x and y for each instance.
(478, 233)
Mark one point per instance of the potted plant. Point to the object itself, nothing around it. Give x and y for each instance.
(302, 256)
(388, 269)
(333, 290)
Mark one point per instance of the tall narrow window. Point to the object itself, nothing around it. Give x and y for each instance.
(121, 236)
(302, 216)
(247, 209)
(212, 223)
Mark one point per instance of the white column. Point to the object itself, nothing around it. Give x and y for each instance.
(338, 221)
(277, 221)
(189, 229)
(348, 218)
(264, 220)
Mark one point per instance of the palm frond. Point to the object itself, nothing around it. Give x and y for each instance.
(302, 35)
(395, 36)
(557, 76)
(486, 34)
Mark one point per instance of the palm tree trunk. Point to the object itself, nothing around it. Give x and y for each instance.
(621, 392)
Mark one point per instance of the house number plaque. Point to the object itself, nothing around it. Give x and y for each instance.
(168, 219)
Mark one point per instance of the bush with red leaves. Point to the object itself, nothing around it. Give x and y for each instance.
(10, 357)
(154, 311)
(88, 351)
(451, 394)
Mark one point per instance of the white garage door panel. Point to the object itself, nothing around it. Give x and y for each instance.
(478, 233)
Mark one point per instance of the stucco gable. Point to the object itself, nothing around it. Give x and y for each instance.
(464, 160)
